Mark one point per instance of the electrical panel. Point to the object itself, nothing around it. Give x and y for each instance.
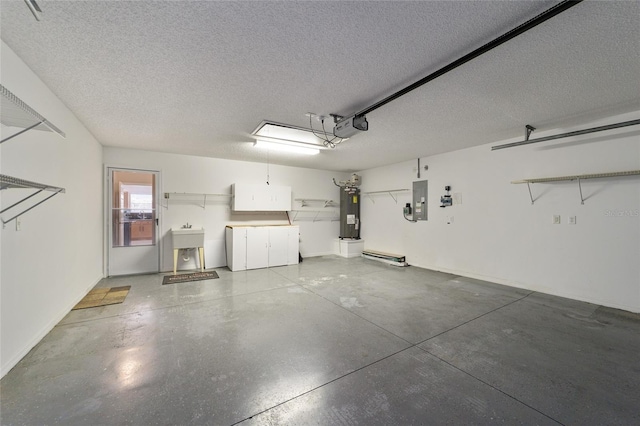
(420, 200)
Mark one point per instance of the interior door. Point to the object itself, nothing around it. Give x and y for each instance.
(133, 222)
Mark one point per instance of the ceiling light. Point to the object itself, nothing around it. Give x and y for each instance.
(284, 137)
(287, 146)
(287, 132)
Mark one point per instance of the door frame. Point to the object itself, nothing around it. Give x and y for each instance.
(106, 190)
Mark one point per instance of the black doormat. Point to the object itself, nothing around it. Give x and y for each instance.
(183, 278)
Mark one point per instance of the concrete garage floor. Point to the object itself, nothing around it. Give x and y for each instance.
(331, 341)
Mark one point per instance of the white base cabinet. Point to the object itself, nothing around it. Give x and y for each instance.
(253, 247)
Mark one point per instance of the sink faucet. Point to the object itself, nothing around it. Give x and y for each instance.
(187, 226)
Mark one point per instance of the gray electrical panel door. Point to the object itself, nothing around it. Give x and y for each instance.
(350, 212)
(420, 200)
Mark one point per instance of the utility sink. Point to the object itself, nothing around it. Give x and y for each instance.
(187, 237)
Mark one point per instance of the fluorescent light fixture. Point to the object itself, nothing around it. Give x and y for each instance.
(274, 130)
(287, 146)
(283, 137)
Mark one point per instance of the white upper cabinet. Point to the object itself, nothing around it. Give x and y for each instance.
(262, 197)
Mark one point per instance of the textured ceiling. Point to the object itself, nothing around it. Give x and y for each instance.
(197, 77)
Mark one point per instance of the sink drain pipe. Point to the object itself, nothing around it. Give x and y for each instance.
(185, 254)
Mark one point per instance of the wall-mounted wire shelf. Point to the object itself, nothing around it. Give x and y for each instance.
(315, 210)
(9, 182)
(388, 191)
(188, 196)
(579, 178)
(16, 113)
(309, 202)
(311, 215)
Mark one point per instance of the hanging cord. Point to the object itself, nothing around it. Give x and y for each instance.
(407, 219)
(325, 140)
(267, 166)
(331, 142)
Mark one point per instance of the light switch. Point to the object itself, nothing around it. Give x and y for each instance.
(556, 219)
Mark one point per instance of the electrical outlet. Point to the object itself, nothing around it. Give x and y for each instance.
(18, 224)
(457, 198)
(572, 220)
(556, 219)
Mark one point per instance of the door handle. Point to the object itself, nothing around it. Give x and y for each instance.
(157, 221)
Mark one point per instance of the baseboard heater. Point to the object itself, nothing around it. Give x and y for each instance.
(391, 259)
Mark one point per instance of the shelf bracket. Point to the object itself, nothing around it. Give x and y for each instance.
(580, 188)
(21, 201)
(528, 129)
(394, 198)
(4, 222)
(21, 132)
(530, 195)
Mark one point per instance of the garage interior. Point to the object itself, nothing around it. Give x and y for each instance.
(491, 150)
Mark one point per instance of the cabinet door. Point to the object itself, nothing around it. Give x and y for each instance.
(135, 228)
(236, 239)
(243, 199)
(278, 241)
(280, 198)
(293, 245)
(257, 247)
(147, 229)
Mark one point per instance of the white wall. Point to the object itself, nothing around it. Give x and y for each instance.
(51, 263)
(497, 235)
(190, 174)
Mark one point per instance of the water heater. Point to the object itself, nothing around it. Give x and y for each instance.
(349, 207)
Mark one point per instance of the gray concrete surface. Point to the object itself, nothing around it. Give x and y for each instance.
(331, 341)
